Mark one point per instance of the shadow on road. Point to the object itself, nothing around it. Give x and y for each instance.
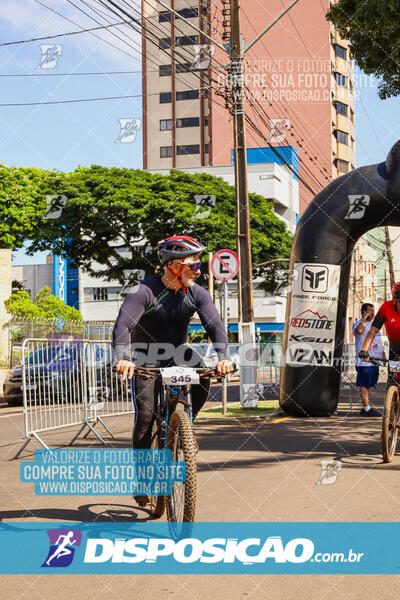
(87, 513)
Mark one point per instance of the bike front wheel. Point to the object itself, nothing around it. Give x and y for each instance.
(181, 504)
(390, 423)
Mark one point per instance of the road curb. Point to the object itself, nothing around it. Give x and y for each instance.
(229, 420)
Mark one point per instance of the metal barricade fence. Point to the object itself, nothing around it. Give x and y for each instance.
(69, 383)
(268, 368)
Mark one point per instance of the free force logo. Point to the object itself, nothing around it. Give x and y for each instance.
(314, 279)
(62, 547)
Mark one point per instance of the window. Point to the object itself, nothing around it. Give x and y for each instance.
(205, 121)
(165, 42)
(340, 79)
(341, 137)
(165, 70)
(188, 13)
(185, 13)
(165, 151)
(186, 40)
(340, 51)
(350, 85)
(165, 124)
(188, 122)
(206, 148)
(187, 95)
(100, 294)
(341, 108)
(342, 165)
(165, 97)
(352, 116)
(191, 149)
(183, 68)
(164, 16)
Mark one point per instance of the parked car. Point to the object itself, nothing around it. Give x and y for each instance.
(56, 372)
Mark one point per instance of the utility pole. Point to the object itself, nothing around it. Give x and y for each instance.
(243, 241)
(236, 50)
(390, 256)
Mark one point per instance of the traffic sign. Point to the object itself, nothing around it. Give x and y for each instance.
(225, 264)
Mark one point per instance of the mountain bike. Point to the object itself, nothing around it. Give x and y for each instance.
(173, 430)
(391, 409)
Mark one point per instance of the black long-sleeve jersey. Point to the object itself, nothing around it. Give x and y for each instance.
(156, 320)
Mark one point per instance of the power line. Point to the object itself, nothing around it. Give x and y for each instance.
(299, 124)
(77, 100)
(50, 37)
(96, 36)
(71, 74)
(308, 171)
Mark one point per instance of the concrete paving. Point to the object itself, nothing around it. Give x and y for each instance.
(259, 471)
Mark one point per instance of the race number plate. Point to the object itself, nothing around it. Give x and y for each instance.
(179, 376)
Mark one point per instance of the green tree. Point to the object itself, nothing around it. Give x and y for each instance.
(117, 216)
(45, 306)
(372, 27)
(22, 204)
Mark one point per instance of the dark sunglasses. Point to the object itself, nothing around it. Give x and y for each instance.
(194, 266)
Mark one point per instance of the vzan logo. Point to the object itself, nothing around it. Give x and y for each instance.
(301, 354)
(314, 279)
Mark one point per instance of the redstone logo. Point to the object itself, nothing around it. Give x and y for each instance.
(316, 321)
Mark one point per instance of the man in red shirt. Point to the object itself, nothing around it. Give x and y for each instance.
(388, 314)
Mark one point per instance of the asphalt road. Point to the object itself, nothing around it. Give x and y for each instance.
(260, 471)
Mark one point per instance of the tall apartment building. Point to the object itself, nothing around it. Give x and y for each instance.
(299, 86)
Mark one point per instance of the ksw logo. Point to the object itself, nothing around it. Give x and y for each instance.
(315, 279)
(310, 339)
(300, 354)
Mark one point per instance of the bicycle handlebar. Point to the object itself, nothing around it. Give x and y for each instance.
(203, 371)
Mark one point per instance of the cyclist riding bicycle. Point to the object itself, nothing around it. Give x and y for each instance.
(388, 314)
(157, 314)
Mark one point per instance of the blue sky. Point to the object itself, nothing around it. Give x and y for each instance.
(67, 135)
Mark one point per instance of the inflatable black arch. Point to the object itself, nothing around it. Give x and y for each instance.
(336, 218)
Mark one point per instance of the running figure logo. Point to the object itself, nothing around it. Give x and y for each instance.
(357, 206)
(62, 542)
(50, 54)
(128, 130)
(329, 471)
